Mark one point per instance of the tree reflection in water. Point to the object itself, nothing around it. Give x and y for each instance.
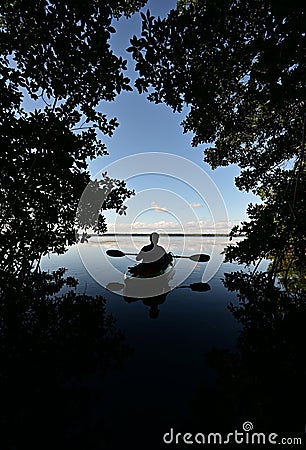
(264, 382)
(50, 348)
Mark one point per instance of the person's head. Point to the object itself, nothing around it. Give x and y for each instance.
(154, 238)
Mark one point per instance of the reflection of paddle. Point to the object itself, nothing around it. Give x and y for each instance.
(199, 287)
(114, 287)
(197, 258)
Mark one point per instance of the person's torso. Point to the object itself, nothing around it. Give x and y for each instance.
(152, 253)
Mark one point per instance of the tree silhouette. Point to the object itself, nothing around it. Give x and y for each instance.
(240, 68)
(56, 66)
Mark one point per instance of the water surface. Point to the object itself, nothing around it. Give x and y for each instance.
(160, 381)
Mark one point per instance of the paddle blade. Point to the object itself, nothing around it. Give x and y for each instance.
(200, 258)
(114, 287)
(115, 253)
(199, 287)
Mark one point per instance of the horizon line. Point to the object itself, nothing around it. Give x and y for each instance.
(164, 234)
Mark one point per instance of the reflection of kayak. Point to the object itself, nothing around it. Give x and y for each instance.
(151, 282)
(144, 271)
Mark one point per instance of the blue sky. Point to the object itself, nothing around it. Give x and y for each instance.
(169, 202)
(146, 127)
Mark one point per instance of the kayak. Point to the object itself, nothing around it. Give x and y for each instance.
(144, 271)
(148, 283)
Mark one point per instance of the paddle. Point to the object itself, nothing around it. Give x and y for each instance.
(197, 258)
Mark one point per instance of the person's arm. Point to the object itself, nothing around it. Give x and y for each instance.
(139, 256)
(143, 251)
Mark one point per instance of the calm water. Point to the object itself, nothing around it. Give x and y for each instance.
(159, 383)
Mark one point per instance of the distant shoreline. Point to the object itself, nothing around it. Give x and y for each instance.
(162, 234)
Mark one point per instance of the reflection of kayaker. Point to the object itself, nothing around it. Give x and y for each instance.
(149, 280)
(151, 302)
(154, 302)
(150, 284)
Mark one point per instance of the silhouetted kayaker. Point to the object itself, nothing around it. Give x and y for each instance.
(84, 237)
(152, 252)
(154, 257)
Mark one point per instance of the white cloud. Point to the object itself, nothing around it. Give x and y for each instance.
(143, 227)
(195, 205)
(162, 224)
(157, 208)
(200, 226)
